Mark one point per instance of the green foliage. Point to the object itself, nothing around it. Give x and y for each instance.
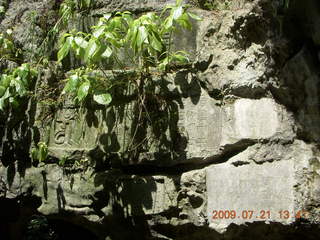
(7, 48)
(143, 40)
(84, 82)
(67, 13)
(40, 153)
(63, 161)
(15, 85)
(69, 7)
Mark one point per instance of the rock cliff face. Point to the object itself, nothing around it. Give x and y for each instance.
(240, 134)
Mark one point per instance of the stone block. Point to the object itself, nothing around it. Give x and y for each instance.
(253, 192)
(251, 119)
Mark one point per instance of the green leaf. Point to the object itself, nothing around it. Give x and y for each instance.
(107, 16)
(4, 98)
(107, 53)
(156, 42)
(64, 50)
(115, 23)
(2, 91)
(5, 80)
(19, 88)
(34, 154)
(23, 73)
(164, 63)
(99, 31)
(6, 94)
(180, 58)
(81, 42)
(177, 12)
(286, 3)
(2, 103)
(72, 84)
(33, 72)
(96, 57)
(184, 22)
(127, 16)
(103, 99)
(168, 24)
(42, 151)
(63, 160)
(142, 36)
(91, 50)
(83, 91)
(195, 16)
(132, 38)
(179, 2)
(2, 9)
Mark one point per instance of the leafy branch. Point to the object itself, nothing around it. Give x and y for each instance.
(15, 85)
(142, 40)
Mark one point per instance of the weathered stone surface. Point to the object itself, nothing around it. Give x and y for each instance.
(99, 196)
(130, 5)
(259, 191)
(30, 23)
(235, 65)
(236, 130)
(244, 120)
(256, 119)
(279, 182)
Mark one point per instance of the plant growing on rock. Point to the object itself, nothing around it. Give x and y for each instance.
(15, 85)
(40, 153)
(144, 44)
(143, 41)
(7, 49)
(84, 82)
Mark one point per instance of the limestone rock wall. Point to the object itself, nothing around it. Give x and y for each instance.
(240, 133)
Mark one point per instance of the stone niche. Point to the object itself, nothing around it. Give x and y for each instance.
(254, 192)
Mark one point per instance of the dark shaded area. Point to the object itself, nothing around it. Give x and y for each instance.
(127, 197)
(142, 122)
(65, 231)
(9, 214)
(14, 215)
(298, 21)
(297, 66)
(250, 231)
(19, 220)
(17, 133)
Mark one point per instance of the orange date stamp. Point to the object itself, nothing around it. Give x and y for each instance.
(262, 214)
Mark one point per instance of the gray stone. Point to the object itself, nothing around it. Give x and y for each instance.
(280, 184)
(235, 130)
(236, 67)
(73, 134)
(130, 5)
(253, 192)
